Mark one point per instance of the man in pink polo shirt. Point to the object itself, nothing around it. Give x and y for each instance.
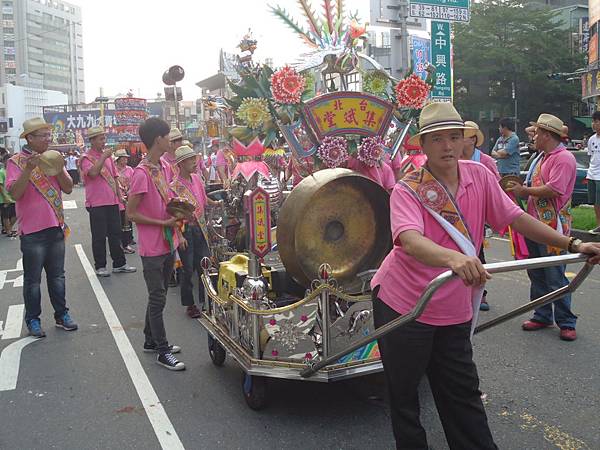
(41, 224)
(549, 200)
(435, 213)
(102, 199)
(168, 158)
(157, 237)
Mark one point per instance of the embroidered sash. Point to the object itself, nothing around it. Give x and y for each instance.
(546, 209)
(157, 176)
(104, 173)
(439, 203)
(435, 197)
(46, 189)
(185, 192)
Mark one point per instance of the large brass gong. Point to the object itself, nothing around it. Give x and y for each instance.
(334, 216)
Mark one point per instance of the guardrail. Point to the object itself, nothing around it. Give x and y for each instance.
(440, 280)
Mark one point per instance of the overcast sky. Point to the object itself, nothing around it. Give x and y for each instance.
(128, 44)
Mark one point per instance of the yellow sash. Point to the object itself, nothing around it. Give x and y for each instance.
(43, 185)
(546, 209)
(185, 192)
(434, 196)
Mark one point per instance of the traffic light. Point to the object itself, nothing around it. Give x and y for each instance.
(555, 76)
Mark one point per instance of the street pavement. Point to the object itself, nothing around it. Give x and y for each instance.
(74, 390)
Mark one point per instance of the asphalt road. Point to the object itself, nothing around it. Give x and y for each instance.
(74, 391)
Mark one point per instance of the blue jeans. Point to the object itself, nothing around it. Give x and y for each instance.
(547, 280)
(44, 249)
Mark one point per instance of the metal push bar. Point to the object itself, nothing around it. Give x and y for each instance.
(440, 280)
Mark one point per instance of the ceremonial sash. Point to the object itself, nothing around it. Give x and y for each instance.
(104, 173)
(185, 192)
(439, 203)
(546, 209)
(158, 178)
(43, 185)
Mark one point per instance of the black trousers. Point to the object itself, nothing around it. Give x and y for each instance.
(445, 355)
(74, 173)
(105, 222)
(126, 234)
(190, 258)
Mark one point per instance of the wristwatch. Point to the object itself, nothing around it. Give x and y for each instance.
(574, 243)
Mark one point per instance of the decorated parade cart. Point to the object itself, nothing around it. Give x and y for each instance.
(287, 286)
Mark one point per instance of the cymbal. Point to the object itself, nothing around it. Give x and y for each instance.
(51, 162)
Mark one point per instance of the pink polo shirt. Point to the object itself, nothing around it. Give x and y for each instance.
(490, 163)
(559, 171)
(402, 278)
(395, 163)
(197, 187)
(200, 164)
(34, 213)
(151, 241)
(382, 175)
(168, 163)
(97, 190)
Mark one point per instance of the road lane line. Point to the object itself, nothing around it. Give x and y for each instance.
(10, 361)
(163, 428)
(14, 322)
(69, 204)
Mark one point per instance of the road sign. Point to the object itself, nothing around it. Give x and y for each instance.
(446, 10)
(421, 55)
(441, 58)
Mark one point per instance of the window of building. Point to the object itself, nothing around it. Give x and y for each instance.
(10, 71)
(7, 17)
(9, 30)
(9, 57)
(9, 43)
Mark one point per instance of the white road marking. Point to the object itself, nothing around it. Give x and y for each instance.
(14, 322)
(17, 282)
(163, 428)
(69, 204)
(10, 361)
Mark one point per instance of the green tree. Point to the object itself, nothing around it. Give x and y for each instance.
(508, 42)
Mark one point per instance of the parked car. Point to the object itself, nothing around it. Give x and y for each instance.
(582, 160)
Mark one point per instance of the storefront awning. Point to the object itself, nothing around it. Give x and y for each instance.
(587, 121)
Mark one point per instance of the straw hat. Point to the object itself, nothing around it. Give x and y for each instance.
(473, 130)
(31, 125)
(95, 131)
(437, 116)
(122, 153)
(51, 162)
(175, 134)
(550, 123)
(182, 153)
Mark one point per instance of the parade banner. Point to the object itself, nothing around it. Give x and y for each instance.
(130, 103)
(421, 55)
(443, 10)
(441, 58)
(260, 222)
(342, 113)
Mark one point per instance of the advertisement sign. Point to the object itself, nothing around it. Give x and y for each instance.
(594, 11)
(420, 55)
(446, 10)
(590, 84)
(441, 58)
(341, 113)
(260, 222)
(71, 127)
(593, 45)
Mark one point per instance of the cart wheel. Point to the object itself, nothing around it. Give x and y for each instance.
(216, 351)
(255, 391)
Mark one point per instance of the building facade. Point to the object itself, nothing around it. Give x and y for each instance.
(19, 103)
(42, 46)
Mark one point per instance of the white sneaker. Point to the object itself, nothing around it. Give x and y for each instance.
(102, 272)
(124, 269)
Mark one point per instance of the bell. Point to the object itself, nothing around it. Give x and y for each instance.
(51, 162)
(338, 217)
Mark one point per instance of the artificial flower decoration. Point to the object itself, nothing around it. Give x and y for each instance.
(412, 92)
(370, 150)
(333, 151)
(375, 83)
(254, 112)
(357, 30)
(287, 86)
